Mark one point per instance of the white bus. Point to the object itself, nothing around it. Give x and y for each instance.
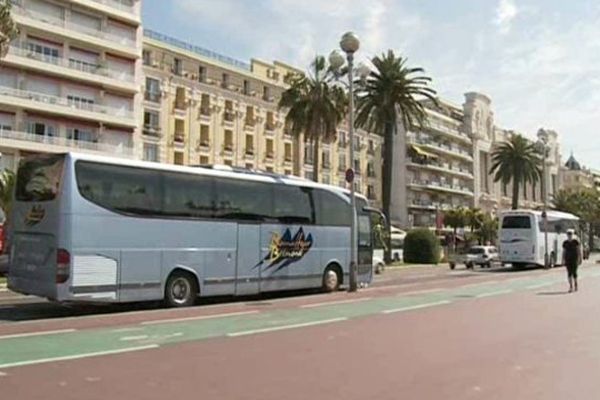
(98, 229)
(522, 239)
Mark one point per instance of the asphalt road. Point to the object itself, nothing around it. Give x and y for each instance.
(425, 333)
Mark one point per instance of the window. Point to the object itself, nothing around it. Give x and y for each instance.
(287, 150)
(228, 114)
(178, 158)
(225, 80)
(205, 104)
(267, 93)
(249, 144)
(357, 166)
(270, 124)
(150, 152)
(357, 143)
(269, 148)
(342, 162)
(180, 98)
(38, 179)
(270, 169)
(82, 134)
(186, 195)
(147, 57)
(326, 179)
(371, 192)
(250, 119)
(177, 67)
(229, 162)
(288, 172)
(81, 102)
(326, 159)
(249, 166)
(123, 189)
(294, 205)
(43, 52)
(308, 153)
(204, 160)
(332, 209)
(179, 131)
(246, 87)
(228, 145)
(247, 200)
(41, 128)
(371, 147)
(342, 139)
(204, 136)
(152, 90)
(370, 169)
(309, 175)
(201, 74)
(516, 222)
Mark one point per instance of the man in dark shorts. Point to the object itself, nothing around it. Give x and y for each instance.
(572, 258)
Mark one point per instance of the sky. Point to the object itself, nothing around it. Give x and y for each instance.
(538, 60)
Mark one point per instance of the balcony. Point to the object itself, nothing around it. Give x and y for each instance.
(152, 96)
(63, 106)
(179, 139)
(448, 131)
(439, 147)
(58, 144)
(442, 167)
(151, 131)
(19, 54)
(228, 117)
(442, 186)
(117, 43)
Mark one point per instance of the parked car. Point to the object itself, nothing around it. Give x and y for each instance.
(483, 256)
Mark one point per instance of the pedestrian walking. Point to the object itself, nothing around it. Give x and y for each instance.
(572, 258)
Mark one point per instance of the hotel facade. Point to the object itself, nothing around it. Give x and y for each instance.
(71, 79)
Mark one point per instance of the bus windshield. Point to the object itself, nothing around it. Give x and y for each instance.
(516, 222)
(38, 178)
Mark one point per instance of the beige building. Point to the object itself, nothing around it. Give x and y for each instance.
(201, 107)
(71, 78)
(576, 176)
(446, 165)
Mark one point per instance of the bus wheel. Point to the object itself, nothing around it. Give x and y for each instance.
(181, 290)
(331, 279)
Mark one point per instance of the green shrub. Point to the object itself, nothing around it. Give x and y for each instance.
(421, 246)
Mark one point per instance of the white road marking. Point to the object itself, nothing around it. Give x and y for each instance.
(198, 318)
(123, 330)
(416, 307)
(284, 327)
(129, 338)
(78, 356)
(424, 291)
(42, 333)
(540, 285)
(478, 284)
(332, 303)
(495, 293)
(3, 374)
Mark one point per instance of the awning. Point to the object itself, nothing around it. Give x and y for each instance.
(422, 152)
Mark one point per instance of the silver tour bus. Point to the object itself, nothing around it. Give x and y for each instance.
(98, 229)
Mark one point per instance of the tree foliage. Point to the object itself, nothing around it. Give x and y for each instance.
(8, 28)
(421, 246)
(7, 187)
(315, 107)
(518, 161)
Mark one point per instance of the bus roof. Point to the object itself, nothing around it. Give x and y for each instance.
(551, 213)
(223, 171)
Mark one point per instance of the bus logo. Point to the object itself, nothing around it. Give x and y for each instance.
(286, 248)
(35, 215)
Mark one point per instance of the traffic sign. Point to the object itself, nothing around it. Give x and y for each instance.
(349, 175)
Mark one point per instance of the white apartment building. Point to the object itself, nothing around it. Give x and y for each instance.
(71, 80)
(446, 165)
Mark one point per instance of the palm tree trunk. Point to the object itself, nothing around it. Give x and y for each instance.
(515, 194)
(387, 173)
(316, 142)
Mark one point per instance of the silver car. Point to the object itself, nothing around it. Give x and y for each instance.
(483, 256)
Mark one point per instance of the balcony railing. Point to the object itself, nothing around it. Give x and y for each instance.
(18, 9)
(442, 167)
(442, 186)
(440, 146)
(122, 5)
(64, 102)
(126, 151)
(22, 50)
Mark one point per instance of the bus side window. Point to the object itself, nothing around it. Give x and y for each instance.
(241, 199)
(293, 205)
(331, 209)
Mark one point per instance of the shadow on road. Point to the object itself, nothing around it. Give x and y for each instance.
(558, 293)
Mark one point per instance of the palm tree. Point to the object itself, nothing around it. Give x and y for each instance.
(488, 231)
(316, 106)
(390, 95)
(455, 218)
(8, 28)
(7, 185)
(516, 160)
(474, 218)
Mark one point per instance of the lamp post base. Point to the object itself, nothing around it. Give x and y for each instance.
(353, 278)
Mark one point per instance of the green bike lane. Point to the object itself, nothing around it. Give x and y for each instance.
(68, 344)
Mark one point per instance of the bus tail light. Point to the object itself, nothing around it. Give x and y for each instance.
(63, 265)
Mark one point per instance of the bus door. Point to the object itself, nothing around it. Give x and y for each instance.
(365, 248)
(247, 272)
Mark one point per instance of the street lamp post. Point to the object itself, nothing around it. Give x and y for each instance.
(350, 45)
(543, 147)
